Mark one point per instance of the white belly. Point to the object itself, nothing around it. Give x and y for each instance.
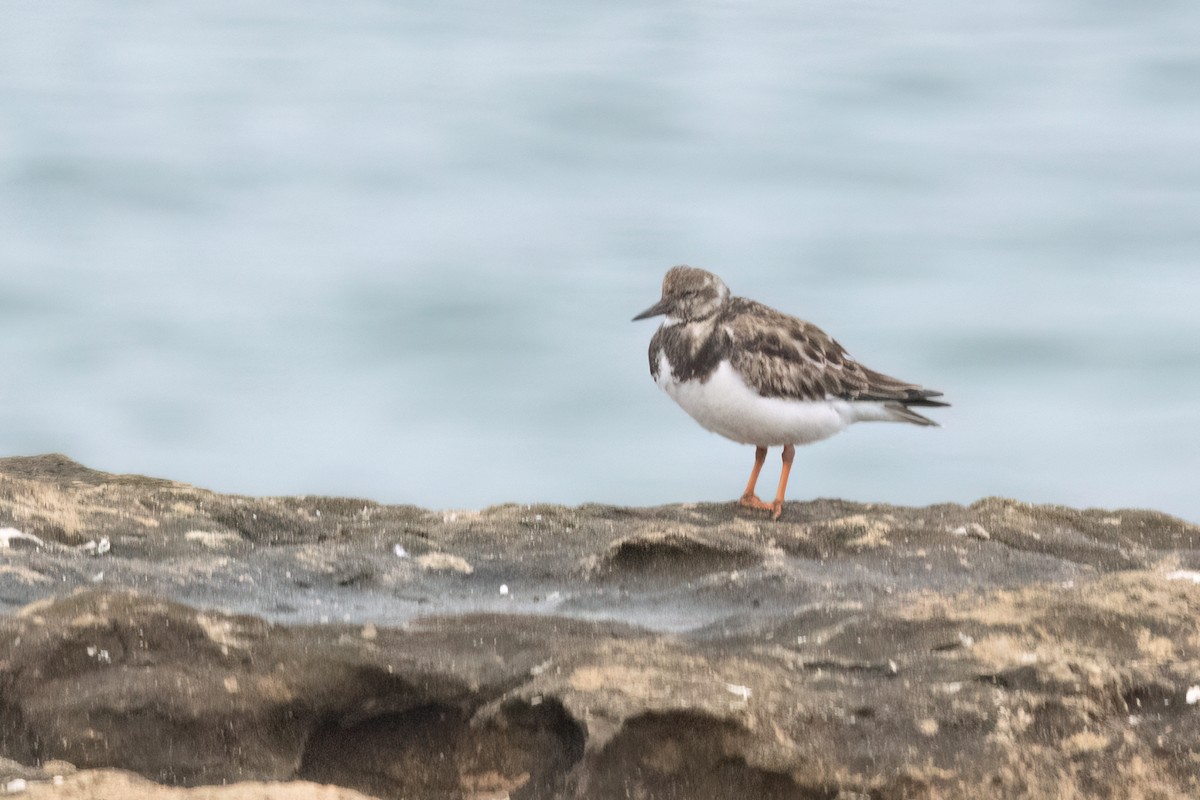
(724, 404)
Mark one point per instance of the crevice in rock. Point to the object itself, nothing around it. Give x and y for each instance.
(1154, 698)
(438, 752)
(887, 670)
(672, 557)
(264, 526)
(687, 756)
(17, 741)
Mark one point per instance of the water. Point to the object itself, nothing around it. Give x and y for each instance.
(392, 252)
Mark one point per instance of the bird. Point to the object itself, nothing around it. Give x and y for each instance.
(761, 377)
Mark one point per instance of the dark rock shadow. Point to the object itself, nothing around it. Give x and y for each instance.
(686, 756)
(436, 752)
(672, 557)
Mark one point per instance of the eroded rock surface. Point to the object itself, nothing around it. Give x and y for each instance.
(999, 650)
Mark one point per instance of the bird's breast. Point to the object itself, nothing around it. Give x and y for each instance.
(723, 403)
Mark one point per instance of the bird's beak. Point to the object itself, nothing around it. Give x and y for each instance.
(658, 309)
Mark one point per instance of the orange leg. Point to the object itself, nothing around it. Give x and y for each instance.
(748, 498)
(789, 453)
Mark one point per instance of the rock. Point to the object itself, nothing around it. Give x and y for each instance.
(974, 530)
(11, 537)
(445, 561)
(115, 784)
(696, 651)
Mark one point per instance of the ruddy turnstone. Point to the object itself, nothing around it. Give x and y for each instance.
(758, 376)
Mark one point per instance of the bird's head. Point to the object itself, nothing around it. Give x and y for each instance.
(688, 294)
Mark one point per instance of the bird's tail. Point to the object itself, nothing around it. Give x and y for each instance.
(899, 412)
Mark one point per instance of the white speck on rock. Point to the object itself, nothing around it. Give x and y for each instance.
(10, 535)
(99, 654)
(504, 589)
(97, 548)
(399, 551)
(977, 531)
(1193, 695)
(744, 692)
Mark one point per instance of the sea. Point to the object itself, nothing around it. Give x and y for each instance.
(392, 250)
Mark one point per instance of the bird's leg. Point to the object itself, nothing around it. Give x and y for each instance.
(748, 498)
(789, 453)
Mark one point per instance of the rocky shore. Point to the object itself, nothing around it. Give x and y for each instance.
(157, 636)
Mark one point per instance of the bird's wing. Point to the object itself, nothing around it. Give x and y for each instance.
(781, 356)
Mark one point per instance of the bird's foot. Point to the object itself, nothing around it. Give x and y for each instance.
(752, 501)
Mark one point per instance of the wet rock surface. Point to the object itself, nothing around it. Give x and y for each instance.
(996, 650)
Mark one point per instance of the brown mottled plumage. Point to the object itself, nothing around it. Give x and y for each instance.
(781, 356)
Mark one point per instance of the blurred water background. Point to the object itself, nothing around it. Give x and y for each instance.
(392, 250)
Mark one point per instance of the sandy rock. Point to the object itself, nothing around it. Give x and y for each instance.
(445, 561)
(695, 651)
(108, 784)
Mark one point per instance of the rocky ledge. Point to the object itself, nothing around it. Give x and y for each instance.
(318, 647)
